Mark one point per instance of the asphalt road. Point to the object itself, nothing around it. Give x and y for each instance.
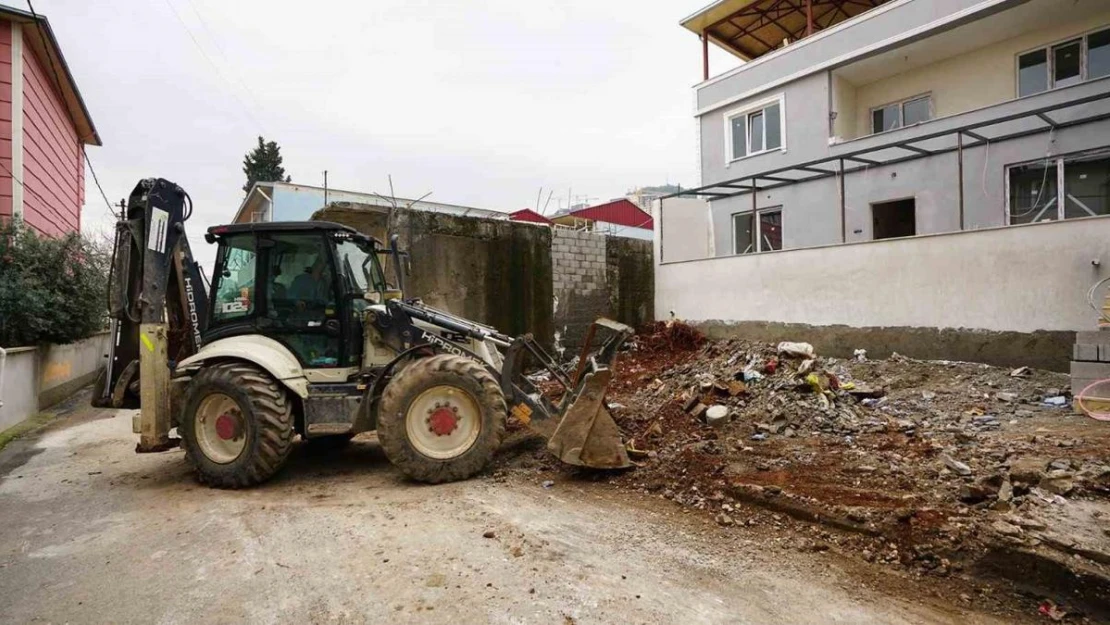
(91, 532)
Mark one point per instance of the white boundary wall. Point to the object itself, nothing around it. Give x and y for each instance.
(1018, 278)
(38, 377)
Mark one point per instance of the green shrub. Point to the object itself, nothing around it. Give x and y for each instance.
(52, 290)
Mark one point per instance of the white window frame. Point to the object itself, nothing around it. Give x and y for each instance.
(747, 110)
(1050, 60)
(1059, 161)
(758, 225)
(901, 112)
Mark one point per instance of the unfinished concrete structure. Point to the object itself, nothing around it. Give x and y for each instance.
(516, 276)
(926, 176)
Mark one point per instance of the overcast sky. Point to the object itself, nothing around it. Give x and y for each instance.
(481, 103)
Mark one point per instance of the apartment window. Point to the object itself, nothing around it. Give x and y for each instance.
(891, 220)
(1064, 64)
(766, 238)
(756, 129)
(1034, 189)
(905, 113)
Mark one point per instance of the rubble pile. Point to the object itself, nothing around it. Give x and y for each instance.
(922, 460)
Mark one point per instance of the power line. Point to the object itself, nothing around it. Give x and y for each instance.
(223, 54)
(25, 187)
(58, 85)
(216, 67)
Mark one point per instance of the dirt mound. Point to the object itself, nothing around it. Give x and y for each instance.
(669, 336)
(916, 457)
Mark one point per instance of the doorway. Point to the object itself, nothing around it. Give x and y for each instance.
(891, 220)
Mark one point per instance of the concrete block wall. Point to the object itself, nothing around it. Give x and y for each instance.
(598, 276)
(579, 284)
(1090, 361)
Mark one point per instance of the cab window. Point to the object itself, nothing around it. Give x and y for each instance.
(235, 279)
(301, 297)
(359, 267)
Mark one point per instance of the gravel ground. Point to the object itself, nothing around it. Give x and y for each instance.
(90, 532)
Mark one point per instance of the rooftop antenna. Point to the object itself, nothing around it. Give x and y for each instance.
(325, 188)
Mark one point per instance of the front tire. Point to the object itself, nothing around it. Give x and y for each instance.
(237, 426)
(441, 419)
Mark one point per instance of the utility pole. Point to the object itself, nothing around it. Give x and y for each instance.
(325, 188)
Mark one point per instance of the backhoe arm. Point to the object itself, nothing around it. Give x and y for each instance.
(157, 303)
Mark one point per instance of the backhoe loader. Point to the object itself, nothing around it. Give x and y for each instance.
(300, 334)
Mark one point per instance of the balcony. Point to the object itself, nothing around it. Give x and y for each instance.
(866, 31)
(750, 29)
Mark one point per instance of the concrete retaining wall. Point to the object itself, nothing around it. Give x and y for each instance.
(1012, 295)
(39, 377)
(496, 272)
(517, 277)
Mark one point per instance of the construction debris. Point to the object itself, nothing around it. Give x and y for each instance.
(916, 459)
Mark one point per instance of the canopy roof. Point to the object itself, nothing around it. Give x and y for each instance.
(752, 28)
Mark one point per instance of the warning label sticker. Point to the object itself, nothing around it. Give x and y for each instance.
(158, 221)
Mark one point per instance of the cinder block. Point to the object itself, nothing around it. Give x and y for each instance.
(1093, 336)
(1085, 352)
(1089, 371)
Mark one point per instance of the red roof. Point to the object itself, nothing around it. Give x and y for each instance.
(621, 212)
(527, 214)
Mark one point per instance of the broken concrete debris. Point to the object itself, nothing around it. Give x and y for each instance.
(716, 415)
(959, 468)
(920, 458)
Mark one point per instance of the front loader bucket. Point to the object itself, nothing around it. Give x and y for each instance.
(580, 430)
(586, 435)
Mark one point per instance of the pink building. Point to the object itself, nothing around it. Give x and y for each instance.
(44, 127)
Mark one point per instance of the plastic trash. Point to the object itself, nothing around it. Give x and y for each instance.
(860, 355)
(1056, 402)
(800, 350)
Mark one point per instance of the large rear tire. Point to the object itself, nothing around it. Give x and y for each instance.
(237, 425)
(441, 419)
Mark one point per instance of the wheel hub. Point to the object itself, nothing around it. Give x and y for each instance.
(227, 427)
(443, 421)
(220, 428)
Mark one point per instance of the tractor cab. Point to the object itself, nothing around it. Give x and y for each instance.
(306, 285)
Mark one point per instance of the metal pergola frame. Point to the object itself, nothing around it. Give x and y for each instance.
(841, 165)
(815, 15)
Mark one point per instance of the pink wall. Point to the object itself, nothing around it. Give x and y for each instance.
(53, 163)
(5, 120)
